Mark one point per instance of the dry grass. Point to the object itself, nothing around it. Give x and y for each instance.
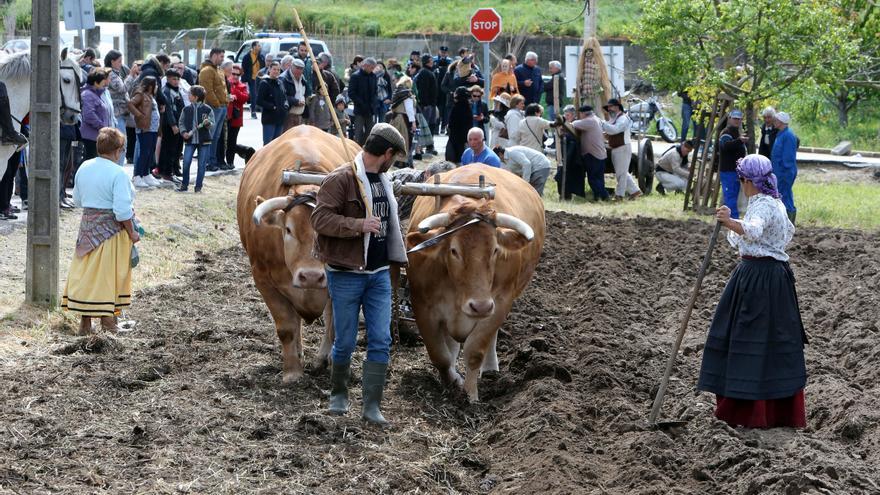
(177, 225)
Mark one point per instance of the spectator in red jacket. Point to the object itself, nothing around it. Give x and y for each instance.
(235, 118)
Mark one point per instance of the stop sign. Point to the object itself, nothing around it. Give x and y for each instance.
(485, 25)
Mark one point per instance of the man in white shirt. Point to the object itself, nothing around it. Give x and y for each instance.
(529, 164)
(672, 173)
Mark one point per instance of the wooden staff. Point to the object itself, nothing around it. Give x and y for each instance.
(331, 106)
(661, 392)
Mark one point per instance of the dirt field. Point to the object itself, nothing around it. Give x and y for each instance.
(191, 401)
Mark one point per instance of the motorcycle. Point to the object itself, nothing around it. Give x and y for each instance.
(643, 112)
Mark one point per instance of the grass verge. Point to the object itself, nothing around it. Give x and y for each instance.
(177, 225)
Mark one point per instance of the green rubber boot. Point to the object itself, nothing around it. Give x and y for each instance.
(792, 215)
(374, 385)
(340, 374)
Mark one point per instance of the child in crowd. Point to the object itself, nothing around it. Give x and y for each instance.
(341, 113)
(195, 125)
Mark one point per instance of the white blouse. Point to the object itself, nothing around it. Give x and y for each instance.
(766, 228)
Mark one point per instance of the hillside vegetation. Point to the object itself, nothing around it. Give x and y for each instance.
(370, 17)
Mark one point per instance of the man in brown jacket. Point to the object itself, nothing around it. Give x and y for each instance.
(217, 97)
(358, 243)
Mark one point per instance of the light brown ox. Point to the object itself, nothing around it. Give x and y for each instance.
(463, 288)
(279, 243)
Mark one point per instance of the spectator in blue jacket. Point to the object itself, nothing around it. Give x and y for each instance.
(784, 159)
(528, 78)
(362, 89)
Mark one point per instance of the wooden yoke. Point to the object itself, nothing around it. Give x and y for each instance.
(331, 105)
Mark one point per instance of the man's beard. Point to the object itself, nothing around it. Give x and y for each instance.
(386, 166)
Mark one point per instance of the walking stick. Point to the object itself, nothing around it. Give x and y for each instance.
(661, 392)
(330, 105)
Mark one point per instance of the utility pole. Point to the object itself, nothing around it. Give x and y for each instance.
(41, 274)
(590, 19)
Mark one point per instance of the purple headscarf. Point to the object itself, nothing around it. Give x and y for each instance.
(758, 170)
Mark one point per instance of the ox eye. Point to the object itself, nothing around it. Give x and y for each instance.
(495, 252)
(66, 80)
(454, 252)
(288, 230)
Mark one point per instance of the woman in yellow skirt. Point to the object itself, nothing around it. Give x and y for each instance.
(99, 281)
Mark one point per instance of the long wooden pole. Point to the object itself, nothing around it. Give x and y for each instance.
(661, 392)
(331, 106)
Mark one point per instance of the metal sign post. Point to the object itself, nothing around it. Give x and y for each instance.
(79, 15)
(485, 28)
(41, 273)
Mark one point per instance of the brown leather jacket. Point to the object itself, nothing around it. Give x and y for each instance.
(338, 220)
(141, 108)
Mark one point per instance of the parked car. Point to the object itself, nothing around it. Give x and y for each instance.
(279, 42)
(13, 46)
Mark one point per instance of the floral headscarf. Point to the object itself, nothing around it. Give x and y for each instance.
(758, 170)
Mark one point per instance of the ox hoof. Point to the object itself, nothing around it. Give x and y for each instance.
(291, 377)
(320, 363)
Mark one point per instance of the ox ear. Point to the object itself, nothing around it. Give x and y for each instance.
(511, 240)
(272, 218)
(413, 239)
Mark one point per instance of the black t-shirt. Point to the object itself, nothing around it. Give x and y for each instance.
(377, 253)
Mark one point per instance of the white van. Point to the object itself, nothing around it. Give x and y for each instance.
(279, 42)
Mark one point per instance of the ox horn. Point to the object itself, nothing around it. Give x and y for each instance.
(511, 222)
(434, 221)
(271, 204)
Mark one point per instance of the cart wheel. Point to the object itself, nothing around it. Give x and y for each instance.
(646, 166)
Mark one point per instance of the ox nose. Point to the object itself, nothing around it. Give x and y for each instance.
(481, 307)
(310, 279)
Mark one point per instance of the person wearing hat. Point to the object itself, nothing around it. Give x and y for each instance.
(298, 89)
(497, 131)
(428, 90)
(340, 105)
(618, 129)
(784, 159)
(357, 244)
(467, 74)
(503, 81)
(753, 360)
(402, 116)
(731, 147)
(460, 122)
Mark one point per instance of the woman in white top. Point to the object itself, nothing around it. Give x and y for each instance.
(515, 115)
(621, 151)
(753, 360)
(496, 121)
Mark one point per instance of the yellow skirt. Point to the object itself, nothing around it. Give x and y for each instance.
(99, 283)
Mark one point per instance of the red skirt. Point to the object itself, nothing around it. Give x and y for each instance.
(773, 413)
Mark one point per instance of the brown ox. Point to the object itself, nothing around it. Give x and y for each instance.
(463, 287)
(278, 238)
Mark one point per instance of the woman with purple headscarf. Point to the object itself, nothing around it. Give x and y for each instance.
(754, 356)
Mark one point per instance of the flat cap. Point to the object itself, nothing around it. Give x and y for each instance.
(298, 63)
(390, 134)
(783, 117)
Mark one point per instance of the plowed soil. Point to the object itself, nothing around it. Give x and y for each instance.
(192, 400)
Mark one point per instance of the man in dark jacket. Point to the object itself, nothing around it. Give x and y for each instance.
(555, 73)
(273, 100)
(156, 67)
(362, 91)
(334, 82)
(172, 143)
(251, 63)
(528, 79)
(441, 65)
(768, 132)
(731, 147)
(428, 91)
(298, 88)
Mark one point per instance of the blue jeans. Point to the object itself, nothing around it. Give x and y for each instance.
(120, 124)
(784, 184)
(730, 189)
(595, 169)
(146, 153)
(271, 131)
(219, 118)
(686, 113)
(188, 151)
(349, 292)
